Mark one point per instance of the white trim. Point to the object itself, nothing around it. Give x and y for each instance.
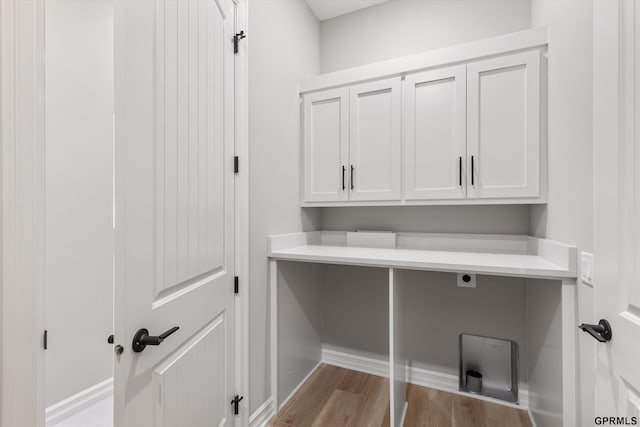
(72, 405)
(418, 376)
(489, 254)
(512, 42)
(295, 390)
(539, 200)
(356, 362)
(404, 413)
(242, 212)
(273, 328)
(263, 414)
(23, 201)
(569, 352)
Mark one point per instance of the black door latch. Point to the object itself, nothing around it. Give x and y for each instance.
(236, 402)
(601, 331)
(142, 338)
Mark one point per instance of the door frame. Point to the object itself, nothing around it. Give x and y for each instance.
(22, 220)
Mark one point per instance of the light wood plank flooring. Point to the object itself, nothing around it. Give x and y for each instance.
(336, 397)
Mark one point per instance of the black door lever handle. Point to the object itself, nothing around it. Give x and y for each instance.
(142, 338)
(601, 331)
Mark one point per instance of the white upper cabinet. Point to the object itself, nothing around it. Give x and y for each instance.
(326, 145)
(435, 134)
(376, 141)
(458, 125)
(503, 127)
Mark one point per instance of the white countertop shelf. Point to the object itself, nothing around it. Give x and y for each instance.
(502, 255)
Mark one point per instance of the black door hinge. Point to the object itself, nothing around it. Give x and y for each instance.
(45, 339)
(236, 284)
(236, 164)
(236, 39)
(236, 403)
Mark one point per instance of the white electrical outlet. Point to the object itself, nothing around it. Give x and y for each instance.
(466, 280)
(586, 267)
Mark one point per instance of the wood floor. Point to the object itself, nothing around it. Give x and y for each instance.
(339, 397)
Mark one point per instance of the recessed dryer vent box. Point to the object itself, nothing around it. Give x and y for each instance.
(496, 359)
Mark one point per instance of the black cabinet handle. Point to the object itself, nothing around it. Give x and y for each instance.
(472, 171)
(601, 331)
(142, 338)
(343, 171)
(351, 180)
(460, 171)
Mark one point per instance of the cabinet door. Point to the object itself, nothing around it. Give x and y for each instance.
(435, 134)
(326, 145)
(375, 141)
(503, 127)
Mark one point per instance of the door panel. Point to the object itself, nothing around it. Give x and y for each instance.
(375, 141)
(503, 126)
(174, 263)
(189, 179)
(435, 134)
(326, 145)
(617, 205)
(197, 363)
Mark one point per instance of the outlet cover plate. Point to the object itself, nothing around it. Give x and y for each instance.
(586, 268)
(466, 280)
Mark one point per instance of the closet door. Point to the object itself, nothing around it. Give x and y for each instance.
(326, 145)
(503, 126)
(435, 134)
(376, 133)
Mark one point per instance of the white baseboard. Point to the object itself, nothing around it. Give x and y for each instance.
(356, 362)
(263, 414)
(404, 413)
(417, 376)
(76, 403)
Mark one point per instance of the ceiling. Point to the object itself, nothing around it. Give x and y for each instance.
(326, 9)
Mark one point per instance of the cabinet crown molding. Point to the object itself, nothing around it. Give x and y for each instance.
(467, 52)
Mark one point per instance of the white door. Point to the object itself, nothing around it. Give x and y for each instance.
(503, 126)
(326, 145)
(435, 148)
(617, 207)
(174, 265)
(375, 141)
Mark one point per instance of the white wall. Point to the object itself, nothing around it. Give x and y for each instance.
(79, 138)
(435, 309)
(284, 39)
(299, 323)
(544, 333)
(356, 310)
(568, 216)
(404, 27)
(510, 219)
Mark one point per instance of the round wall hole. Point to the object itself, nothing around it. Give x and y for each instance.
(466, 278)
